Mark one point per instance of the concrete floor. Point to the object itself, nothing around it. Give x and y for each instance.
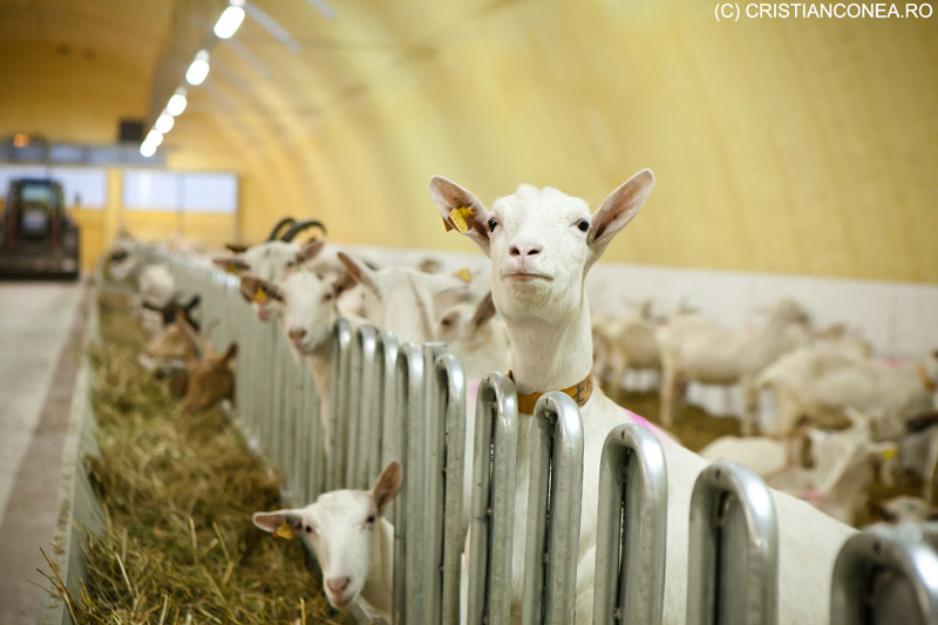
(40, 338)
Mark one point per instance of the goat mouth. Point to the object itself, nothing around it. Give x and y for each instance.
(525, 276)
(339, 601)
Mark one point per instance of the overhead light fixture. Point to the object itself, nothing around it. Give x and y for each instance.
(152, 141)
(198, 69)
(177, 103)
(164, 123)
(155, 137)
(230, 20)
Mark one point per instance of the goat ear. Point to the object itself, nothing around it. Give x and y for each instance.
(484, 311)
(309, 251)
(271, 521)
(230, 354)
(231, 264)
(359, 272)
(250, 287)
(387, 485)
(450, 197)
(619, 209)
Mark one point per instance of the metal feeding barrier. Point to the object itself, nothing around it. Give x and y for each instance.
(407, 402)
(631, 528)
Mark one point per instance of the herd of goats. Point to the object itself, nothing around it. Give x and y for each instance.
(842, 416)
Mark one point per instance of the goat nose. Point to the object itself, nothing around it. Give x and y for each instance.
(525, 249)
(337, 584)
(297, 334)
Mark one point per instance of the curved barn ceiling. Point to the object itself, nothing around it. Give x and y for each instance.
(792, 146)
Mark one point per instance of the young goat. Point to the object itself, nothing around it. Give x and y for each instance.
(811, 381)
(542, 243)
(353, 542)
(697, 349)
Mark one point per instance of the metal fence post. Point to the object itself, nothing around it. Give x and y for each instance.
(631, 529)
(553, 524)
(410, 545)
(733, 549)
(886, 575)
(341, 346)
(446, 466)
(493, 501)
(362, 412)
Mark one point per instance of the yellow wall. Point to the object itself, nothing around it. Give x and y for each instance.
(793, 146)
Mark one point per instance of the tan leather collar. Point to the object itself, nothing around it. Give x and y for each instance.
(930, 384)
(580, 392)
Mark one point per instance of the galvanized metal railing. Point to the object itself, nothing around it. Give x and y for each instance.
(446, 465)
(887, 575)
(493, 502)
(406, 402)
(631, 529)
(733, 557)
(553, 524)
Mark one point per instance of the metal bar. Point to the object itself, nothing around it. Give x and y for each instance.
(886, 575)
(410, 546)
(362, 415)
(733, 553)
(341, 345)
(493, 501)
(553, 524)
(446, 466)
(385, 445)
(631, 529)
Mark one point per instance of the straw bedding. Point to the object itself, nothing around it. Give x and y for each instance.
(178, 493)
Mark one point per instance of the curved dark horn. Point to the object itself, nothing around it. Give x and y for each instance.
(300, 226)
(278, 228)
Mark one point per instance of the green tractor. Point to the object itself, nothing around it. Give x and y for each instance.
(37, 238)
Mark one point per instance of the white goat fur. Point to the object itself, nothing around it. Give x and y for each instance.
(694, 348)
(351, 540)
(156, 286)
(810, 382)
(540, 258)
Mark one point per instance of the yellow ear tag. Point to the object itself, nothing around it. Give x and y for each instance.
(260, 296)
(464, 275)
(284, 531)
(231, 268)
(889, 454)
(459, 216)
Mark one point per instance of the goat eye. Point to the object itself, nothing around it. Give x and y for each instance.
(309, 529)
(492, 224)
(583, 225)
(327, 297)
(370, 519)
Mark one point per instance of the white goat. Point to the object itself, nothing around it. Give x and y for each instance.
(542, 243)
(477, 337)
(843, 467)
(394, 299)
(765, 456)
(811, 382)
(697, 349)
(905, 509)
(156, 286)
(625, 342)
(353, 542)
(401, 299)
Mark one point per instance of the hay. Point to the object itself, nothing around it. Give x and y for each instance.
(178, 493)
